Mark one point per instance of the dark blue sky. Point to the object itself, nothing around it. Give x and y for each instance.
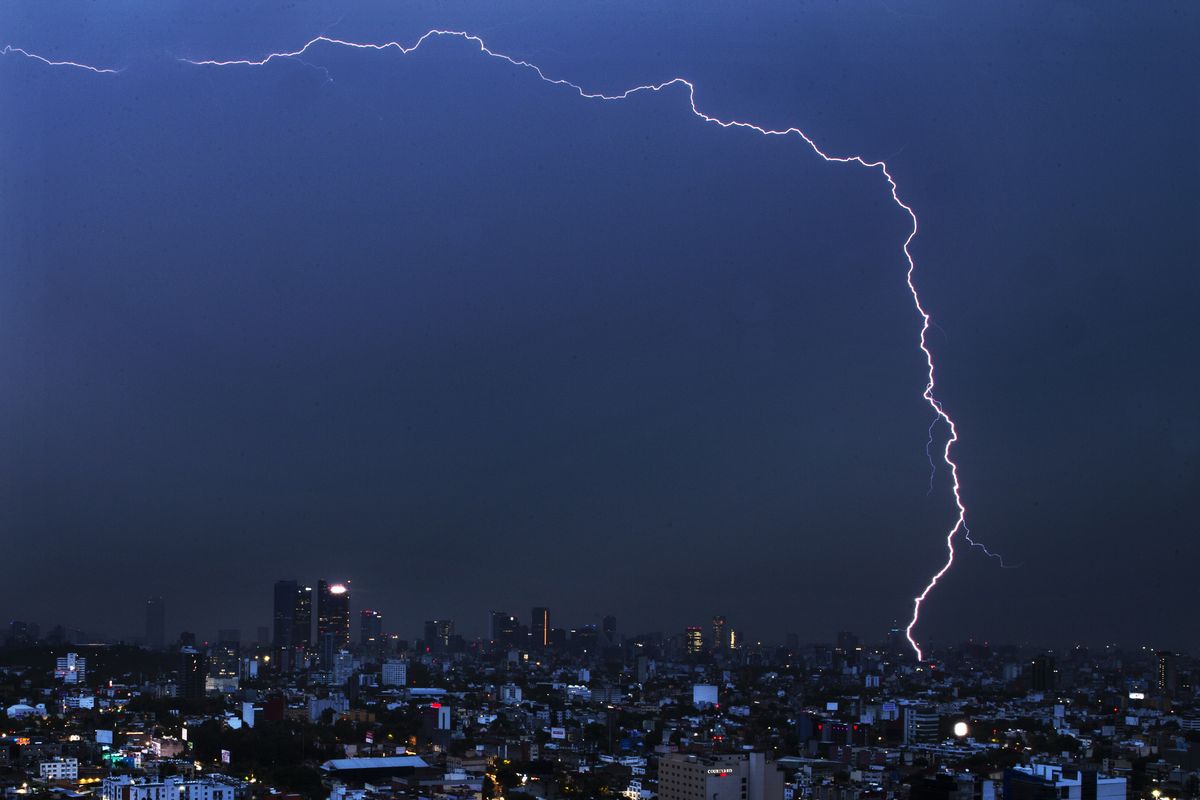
(473, 342)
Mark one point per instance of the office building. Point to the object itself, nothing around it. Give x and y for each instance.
(394, 672)
(504, 630)
(539, 627)
(59, 769)
(693, 639)
(1043, 675)
(1168, 679)
(292, 621)
(438, 633)
(333, 614)
(71, 669)
(370, 630)
(193, 670)
(720, 633)
(743, 776)
(921, 726)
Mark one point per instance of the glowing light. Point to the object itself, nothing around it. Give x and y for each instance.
(940, 414)
(10, 50)
(338, 588)
(960, 729)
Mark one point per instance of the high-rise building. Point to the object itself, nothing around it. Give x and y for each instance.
(193, 670)
(1043, 675)
(293, 616)
(504, 630)
(370, 629)
(333, 614)
(394, 672)
(720, 633)
(539, 626)
(438, 633)
(71, 668)
(226, 654)
(156, 623)
(693, 639)
(920, 726)
(1168, 679)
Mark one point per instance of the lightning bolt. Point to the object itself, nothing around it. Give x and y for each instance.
(940, 414)
(10, 50)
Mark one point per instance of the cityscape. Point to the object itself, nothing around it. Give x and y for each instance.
(622, 400)
(316, 705)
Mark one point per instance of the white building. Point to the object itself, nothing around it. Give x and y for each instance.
(123, 787)
(20, 710)
(71, 668)
(59, 769)
(510, 694)
(1069, 783)
(344, 665)
(704, 695)
(395, 672)
(317, 706)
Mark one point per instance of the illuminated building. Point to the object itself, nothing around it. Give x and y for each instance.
(693, 639)
(720, 633)
(333, 614)
(540, 627)
(921, 726)
(1168, 680)
(124, 787)
(504, 629)
(226, 655)
(744, 776)
(71, 668)
(156, 623)
(193, 667)
(394, 672)
(59, 769)
(437, 634)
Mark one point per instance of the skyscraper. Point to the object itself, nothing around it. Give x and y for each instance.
(539, 627)
(370, 629)
(437, 634)
(303, 618)
(293, 615)
(193, 670)
(1168, 679)
(504, 629)
(720, 633)
(333, 613)
(693, 639)
(156, 623)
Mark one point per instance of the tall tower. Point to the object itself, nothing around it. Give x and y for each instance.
(539, 627)
(693, 639)
(156, 623)
(370, 629)
(720, 633)
(333, 614)
(302, 617)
